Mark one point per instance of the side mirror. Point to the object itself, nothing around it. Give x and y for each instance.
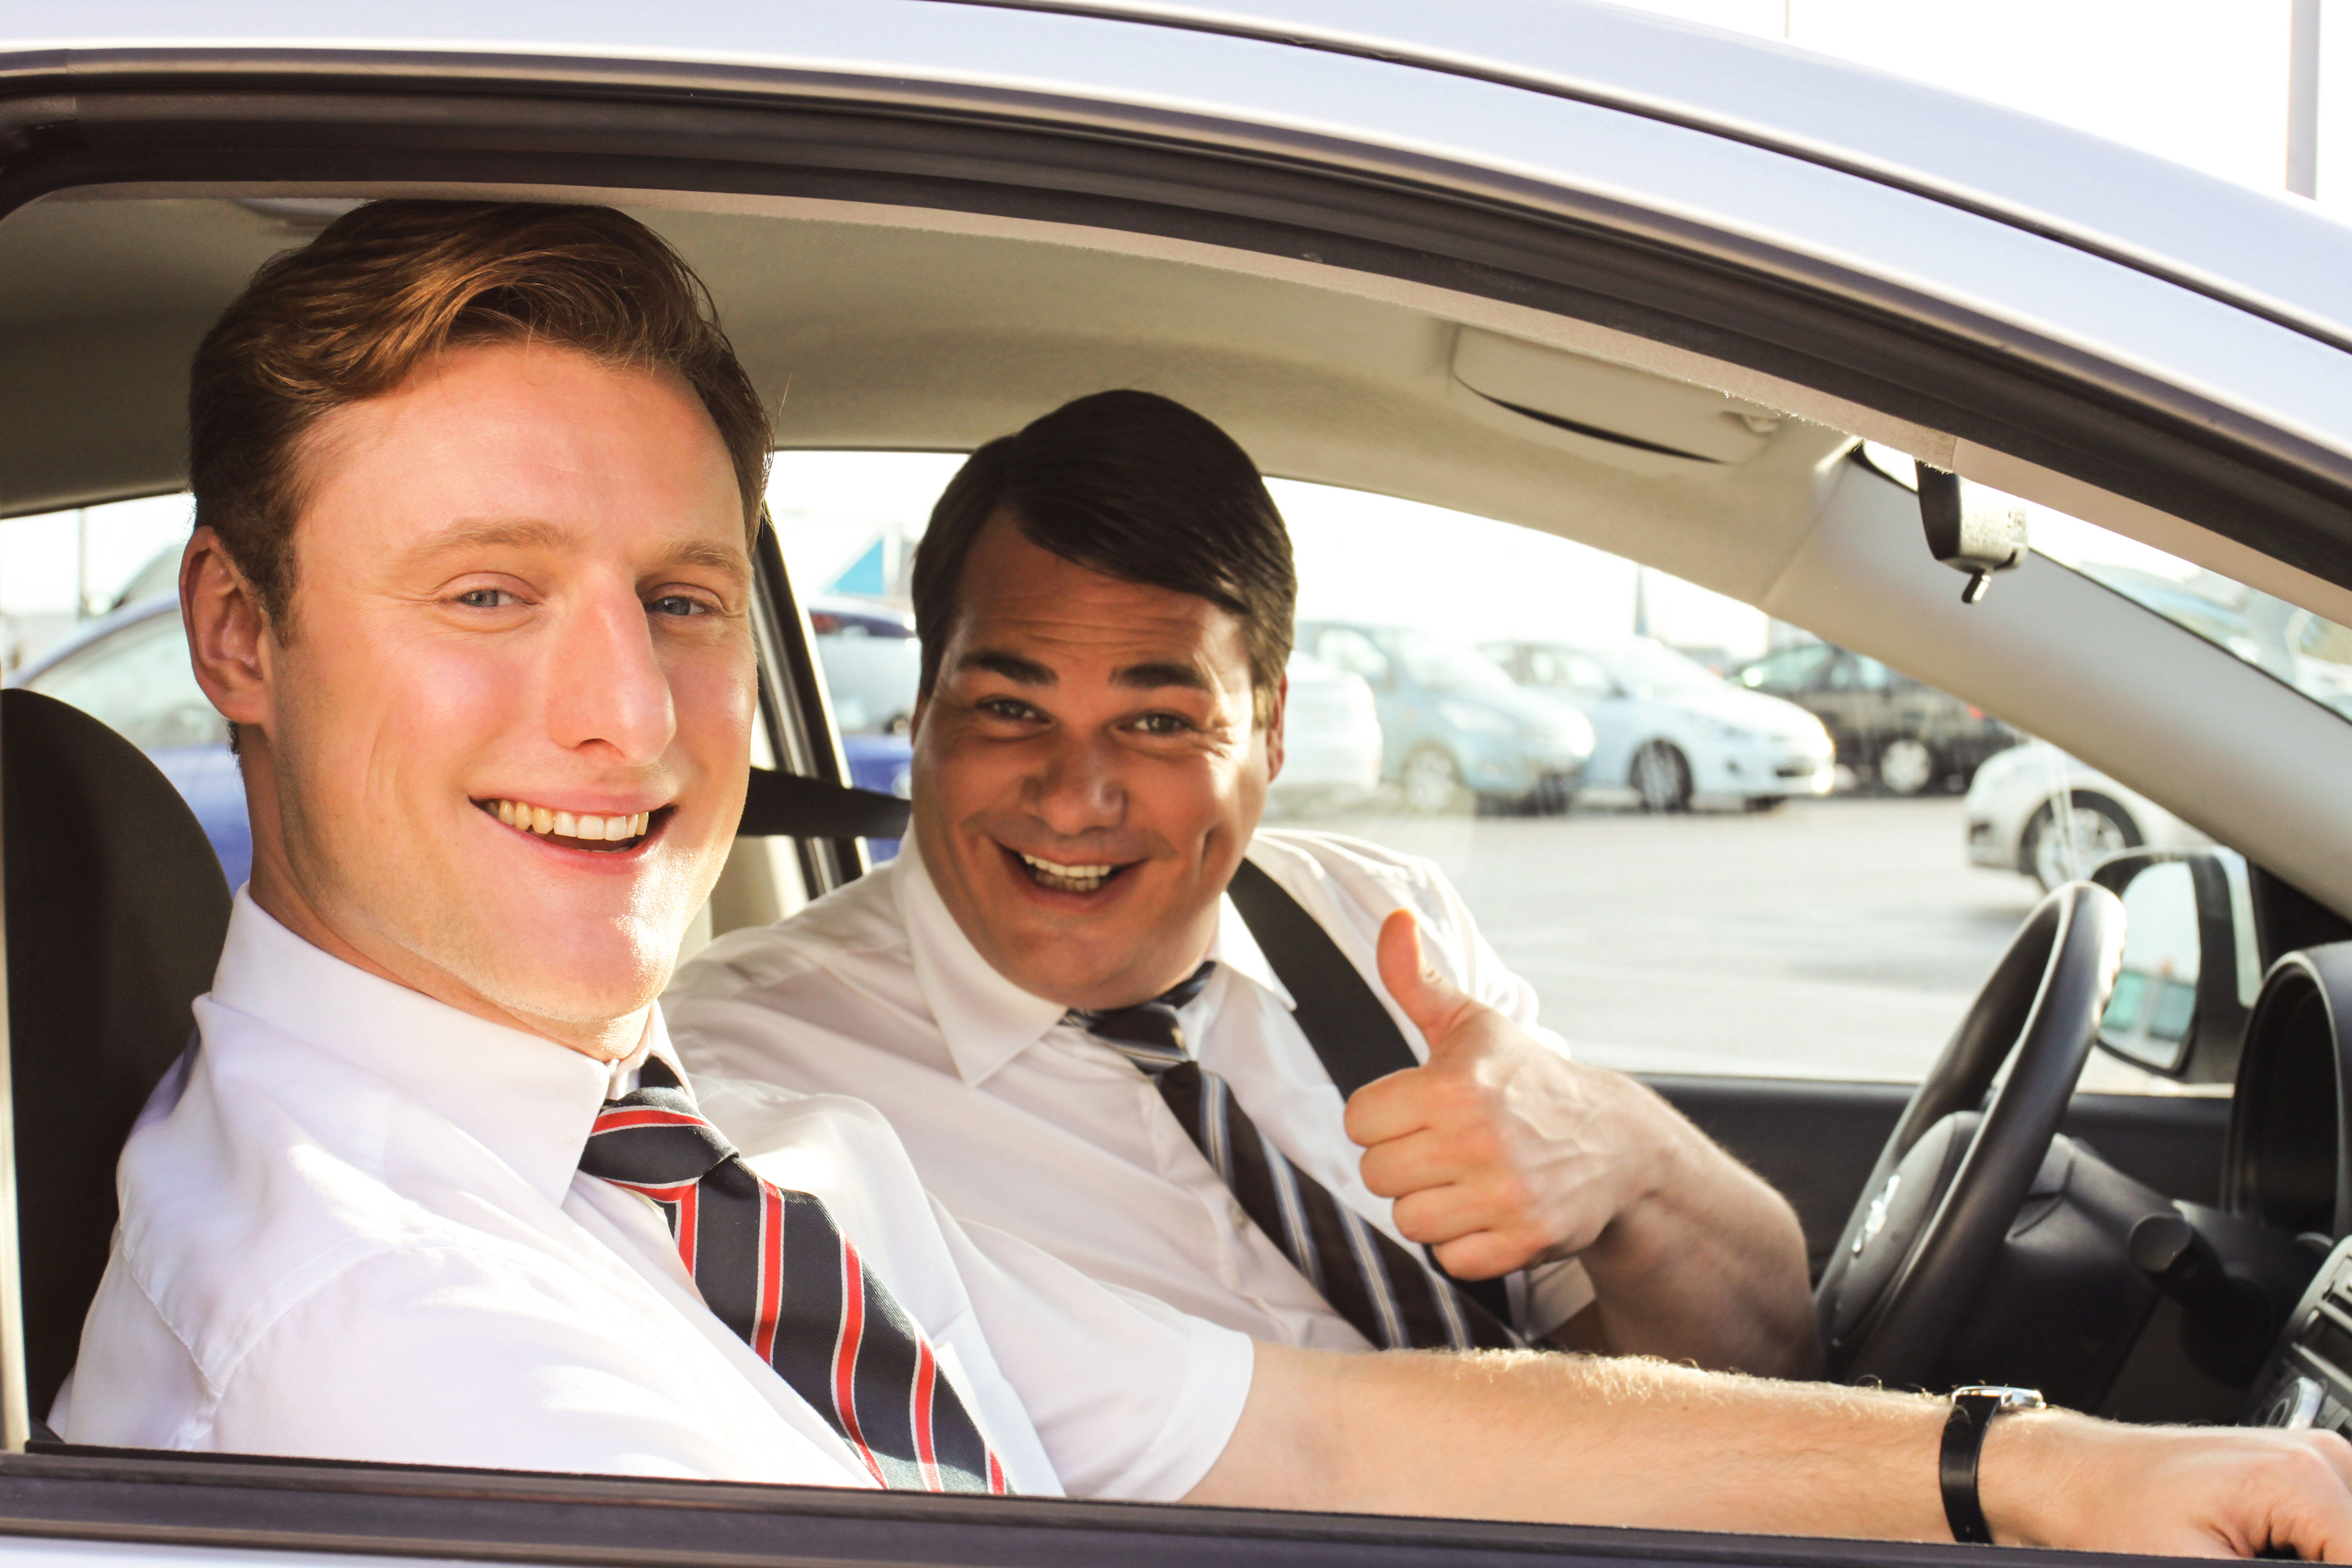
(2190, 970)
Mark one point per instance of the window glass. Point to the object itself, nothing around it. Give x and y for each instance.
(1778, 869)
(138, 681)
(1790, 670)
(2292, 645)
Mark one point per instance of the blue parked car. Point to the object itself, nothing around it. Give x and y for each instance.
(1453, 724)
(130, 670)
(872, 667)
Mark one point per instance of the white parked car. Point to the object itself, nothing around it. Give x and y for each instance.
(2034, 809)
(1672, 731)
(1330, 738)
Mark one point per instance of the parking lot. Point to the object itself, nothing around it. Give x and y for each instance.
(1838, 938)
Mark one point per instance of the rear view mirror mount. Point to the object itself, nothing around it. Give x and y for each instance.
(1970, 530)
(2189, 965)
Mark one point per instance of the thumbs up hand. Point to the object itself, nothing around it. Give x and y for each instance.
(1499, 1151)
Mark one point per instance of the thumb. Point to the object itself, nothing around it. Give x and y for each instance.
(1434, 1003)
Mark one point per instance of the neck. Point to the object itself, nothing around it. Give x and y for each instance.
(281, 898)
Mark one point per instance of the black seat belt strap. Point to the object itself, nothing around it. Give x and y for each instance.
(1342, 1018)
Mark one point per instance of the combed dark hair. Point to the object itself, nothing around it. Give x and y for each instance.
(1134, 486)
(387, 286)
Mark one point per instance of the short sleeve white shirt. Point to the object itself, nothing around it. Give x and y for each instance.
(1020, 1123)
(353, 1227)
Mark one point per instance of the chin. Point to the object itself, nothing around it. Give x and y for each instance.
(610, 971)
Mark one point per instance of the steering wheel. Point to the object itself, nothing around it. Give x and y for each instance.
(1932, 1218)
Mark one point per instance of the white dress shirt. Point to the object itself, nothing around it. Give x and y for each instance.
(353, 1227)
(1022, 1123)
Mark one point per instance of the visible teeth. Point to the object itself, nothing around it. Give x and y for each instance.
(583, 826)
(1068, 878)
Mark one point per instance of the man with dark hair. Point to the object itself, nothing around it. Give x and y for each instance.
(432, 1187)
(1070, 864)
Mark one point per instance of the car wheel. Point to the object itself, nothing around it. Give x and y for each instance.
(1906, 766)
(1432, 779)
(1660, 776)
(2061, 849)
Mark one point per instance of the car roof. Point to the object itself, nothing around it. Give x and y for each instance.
(106, 626)
(2270, 254)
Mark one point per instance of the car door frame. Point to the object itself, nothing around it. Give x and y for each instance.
(158, 118)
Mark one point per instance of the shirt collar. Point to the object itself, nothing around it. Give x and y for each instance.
(985, 1018)
(528, 1101)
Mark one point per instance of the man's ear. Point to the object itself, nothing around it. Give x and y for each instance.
(1274, 729)
(229, 640)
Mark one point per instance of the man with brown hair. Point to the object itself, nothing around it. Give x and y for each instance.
(432, 1187)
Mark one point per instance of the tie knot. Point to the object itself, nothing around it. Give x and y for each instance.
(653, 1137)
(1146, 1033)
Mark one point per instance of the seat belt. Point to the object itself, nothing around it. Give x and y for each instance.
(1346, 1022)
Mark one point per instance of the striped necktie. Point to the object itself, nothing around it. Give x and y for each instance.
(774, 1267)
(1391, 1294)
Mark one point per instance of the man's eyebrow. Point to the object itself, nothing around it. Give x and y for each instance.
(1023, 671)
(522, 533)
(717, 557)
(537, 534)
(1152, 677)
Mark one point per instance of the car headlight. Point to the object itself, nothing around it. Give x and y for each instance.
(1473, 719)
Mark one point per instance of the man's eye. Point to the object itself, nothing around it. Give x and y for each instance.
(1163, 724)
(485, 598)
(1003, 708)
(678, 604)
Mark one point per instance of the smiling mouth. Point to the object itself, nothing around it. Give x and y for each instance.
(579, 830)
(1066, 878)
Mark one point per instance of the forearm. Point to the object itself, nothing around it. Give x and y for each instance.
(1708, 1267)
(1574, 1439)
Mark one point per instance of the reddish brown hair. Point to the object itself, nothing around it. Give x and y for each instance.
(387, 286)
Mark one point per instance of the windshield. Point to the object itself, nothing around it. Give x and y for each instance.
(1646, 665)
(2305, 650)
(1439, 664)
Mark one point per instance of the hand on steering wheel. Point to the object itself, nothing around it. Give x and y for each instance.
(1932, 1217)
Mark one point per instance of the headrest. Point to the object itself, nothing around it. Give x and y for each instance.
(116, 911)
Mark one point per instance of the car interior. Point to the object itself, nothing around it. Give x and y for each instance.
(888, 327)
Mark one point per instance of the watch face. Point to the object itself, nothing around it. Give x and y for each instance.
(2003, 1398)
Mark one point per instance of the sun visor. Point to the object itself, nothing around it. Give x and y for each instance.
(1610, 403)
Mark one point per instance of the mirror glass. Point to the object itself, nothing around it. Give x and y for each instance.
(2150, 1018)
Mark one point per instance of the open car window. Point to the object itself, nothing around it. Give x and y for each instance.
(1710, 843)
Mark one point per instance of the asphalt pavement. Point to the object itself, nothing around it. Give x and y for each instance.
(1838, 938)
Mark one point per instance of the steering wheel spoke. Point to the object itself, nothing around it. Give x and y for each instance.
(1931, 1220)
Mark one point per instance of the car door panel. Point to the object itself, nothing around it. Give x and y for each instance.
(1816, 1142)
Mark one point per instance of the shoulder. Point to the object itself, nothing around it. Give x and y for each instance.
(278, 1174)
(1333, 874)
(860, 923)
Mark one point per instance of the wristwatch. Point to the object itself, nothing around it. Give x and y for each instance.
(1973, 1408)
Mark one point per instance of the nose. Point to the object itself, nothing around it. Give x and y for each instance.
(1078, 786)
(606, 686)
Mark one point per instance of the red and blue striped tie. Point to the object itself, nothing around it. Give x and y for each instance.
(775, 1268)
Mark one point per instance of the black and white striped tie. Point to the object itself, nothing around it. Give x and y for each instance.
(1394, 1297)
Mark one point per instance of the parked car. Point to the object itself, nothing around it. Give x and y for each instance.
(1669, 729)
(1903, 734)
(1454, 725)
(2034, 809)
(1330, 738)
(131, 669)
(873, 667)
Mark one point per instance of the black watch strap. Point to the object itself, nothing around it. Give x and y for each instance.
(1973, 1409)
